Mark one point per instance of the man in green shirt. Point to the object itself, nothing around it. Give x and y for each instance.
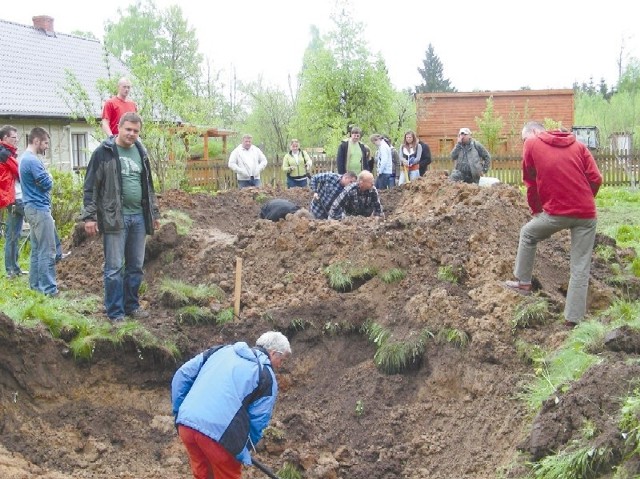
(120, 202)
(353, 155)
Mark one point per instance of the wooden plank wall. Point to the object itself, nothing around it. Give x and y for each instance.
(441, 115)
(617, 170)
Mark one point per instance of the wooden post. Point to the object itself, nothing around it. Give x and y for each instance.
(238, 287)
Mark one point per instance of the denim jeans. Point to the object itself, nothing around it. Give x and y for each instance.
(15, 218)
(42, 269)
(384, 181)
(123, 261)
(583, 234)
(248, 183)
(292, 183)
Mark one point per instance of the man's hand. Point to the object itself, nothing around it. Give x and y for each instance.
(91, 227)
(316, 196)
(156, 224)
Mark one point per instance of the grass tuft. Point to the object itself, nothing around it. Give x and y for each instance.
(194, 314)
(456, 337)
(175, 292)
(449, 274)
(394, 275)
(341, 275)
(182, 221)
(530, 312)
(289, 471)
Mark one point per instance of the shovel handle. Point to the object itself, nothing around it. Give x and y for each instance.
(264, 468)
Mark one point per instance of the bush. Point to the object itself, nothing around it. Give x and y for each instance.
(66, 200)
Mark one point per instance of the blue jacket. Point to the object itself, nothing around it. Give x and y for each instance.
(220, 395)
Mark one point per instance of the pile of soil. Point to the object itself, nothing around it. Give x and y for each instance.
(454, 413)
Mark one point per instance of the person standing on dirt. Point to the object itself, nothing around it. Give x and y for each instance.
(326, 187)
(384, 162)
(353, 155)
(471, 160)
(116, 106)
(120, 202)
(562, 180)
(247, 161)
(11, 197)
(357, 199)
(223, 399)
(297, 165)
(37, 184)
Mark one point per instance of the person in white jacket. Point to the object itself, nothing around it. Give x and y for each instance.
(247, 161)
(384, 163)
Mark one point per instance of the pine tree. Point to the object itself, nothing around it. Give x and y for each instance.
(432, 75)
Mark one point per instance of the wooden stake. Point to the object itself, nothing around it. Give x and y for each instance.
(238, 287)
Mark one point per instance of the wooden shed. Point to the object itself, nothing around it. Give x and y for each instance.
(441, 115)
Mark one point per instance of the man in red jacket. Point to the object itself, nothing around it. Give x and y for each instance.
(562, 180)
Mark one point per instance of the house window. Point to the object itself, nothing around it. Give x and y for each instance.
(446, 145)
(79, 150)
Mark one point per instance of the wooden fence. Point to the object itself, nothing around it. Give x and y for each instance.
(617, 170)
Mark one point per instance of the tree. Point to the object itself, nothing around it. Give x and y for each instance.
(342, 83)
(490, 127)
(433, 75)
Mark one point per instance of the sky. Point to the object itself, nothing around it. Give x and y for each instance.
(489, 45)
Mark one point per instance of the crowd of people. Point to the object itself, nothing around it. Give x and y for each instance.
(223, 398)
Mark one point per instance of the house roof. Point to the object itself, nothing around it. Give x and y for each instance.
(33, 67)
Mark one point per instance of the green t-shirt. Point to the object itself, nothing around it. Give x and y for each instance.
(354, 162)
(131, 166)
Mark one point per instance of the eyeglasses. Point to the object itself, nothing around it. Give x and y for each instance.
(13, 137)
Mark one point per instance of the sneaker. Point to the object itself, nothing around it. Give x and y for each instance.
(117, 319)
(570, 324)
(523, 289)
(62, 256)
(138, 313)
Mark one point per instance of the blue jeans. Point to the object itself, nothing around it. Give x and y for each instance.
(123, 261)
(42, 269)
(15, 218)
(384, 181)
(247, 183)
(292, 183)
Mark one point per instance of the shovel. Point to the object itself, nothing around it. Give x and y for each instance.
(264, 468)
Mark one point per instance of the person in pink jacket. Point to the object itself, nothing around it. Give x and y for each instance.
(562, 180)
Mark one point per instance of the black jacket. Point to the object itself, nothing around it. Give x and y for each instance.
(341, 159)
(425, 158)
(103, 189)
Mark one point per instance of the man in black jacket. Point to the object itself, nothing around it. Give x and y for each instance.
(353, 155)
(425, 157)
(119, 201)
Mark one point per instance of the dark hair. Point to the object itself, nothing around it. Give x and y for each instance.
(131, 116)
(350, 174)
(6, 130)
(38, 133)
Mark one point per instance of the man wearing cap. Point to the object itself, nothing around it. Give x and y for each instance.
(471, 160)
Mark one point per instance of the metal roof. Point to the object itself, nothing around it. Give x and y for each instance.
(33, 66)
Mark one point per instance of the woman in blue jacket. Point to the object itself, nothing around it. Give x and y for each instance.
(223, 400)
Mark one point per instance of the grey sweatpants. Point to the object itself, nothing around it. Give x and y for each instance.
(583, 234)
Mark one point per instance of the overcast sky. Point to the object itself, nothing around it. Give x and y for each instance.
(490, 45)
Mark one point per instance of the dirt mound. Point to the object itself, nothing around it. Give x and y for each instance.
(453, 414)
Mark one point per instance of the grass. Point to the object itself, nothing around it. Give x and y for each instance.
(618, 215)
(449, 274)
(341, 275)
(456, 337)
(289, 471)
(393, 275)
(530, 312)
(182, 220)
(194, 314)
(179, 292)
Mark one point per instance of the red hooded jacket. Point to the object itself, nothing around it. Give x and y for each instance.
(8, 174)
(561, 175)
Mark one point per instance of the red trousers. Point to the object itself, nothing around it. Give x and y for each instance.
(208, 458)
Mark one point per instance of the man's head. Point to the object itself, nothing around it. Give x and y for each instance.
(376, 139)
(348, 178)
(532, 129)
(38, 140)
(9, 134)
(356, 133)
(124, 88)
(129, 128)
(247, 141)
(277, 345)
(464, 135)
(365, 180)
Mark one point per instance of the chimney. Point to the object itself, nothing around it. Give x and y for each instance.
(44, 23)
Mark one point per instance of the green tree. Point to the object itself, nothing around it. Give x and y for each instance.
(342, 84)
(270, 116)
(490, 127)
(432, 74)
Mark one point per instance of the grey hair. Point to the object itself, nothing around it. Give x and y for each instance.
(274, 341)
(532, 127)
